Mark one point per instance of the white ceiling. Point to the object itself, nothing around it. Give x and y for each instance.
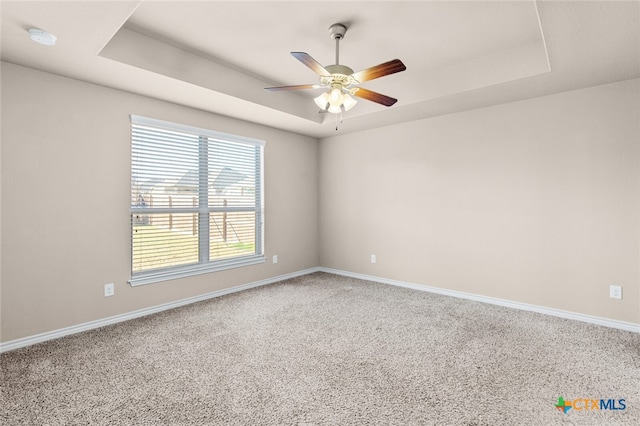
(218, 56)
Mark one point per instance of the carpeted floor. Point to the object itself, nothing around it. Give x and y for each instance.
(327, 350)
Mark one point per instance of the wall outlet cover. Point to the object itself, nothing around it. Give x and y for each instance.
(615, 292)
(109, 290)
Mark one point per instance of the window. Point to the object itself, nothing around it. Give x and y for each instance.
(196, 201)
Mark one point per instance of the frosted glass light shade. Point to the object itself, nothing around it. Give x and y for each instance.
(322, 101)
(335, 97)
(348, 102)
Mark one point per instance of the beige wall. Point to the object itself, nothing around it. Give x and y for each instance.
(65, 193)
(534, 201)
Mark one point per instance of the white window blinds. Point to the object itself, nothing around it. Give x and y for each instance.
(196, 200)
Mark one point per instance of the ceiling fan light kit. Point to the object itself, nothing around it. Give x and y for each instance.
(340, 82)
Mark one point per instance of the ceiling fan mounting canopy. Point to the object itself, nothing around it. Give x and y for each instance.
(337, 31)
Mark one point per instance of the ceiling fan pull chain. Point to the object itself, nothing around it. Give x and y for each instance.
(338, 119)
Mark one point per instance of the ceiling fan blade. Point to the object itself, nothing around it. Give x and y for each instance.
(378, 71)
(296, 87)
(306, 59)
(370, 95)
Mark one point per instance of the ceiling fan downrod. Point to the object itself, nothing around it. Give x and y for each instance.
(337, 32)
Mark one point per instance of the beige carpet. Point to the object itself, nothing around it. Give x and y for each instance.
(327, 350)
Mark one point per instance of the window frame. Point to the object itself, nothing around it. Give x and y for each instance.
(204, 264)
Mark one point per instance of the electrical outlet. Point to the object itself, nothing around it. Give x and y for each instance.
(615, 292)
(275, 259)
(109, 290)
(373, 258)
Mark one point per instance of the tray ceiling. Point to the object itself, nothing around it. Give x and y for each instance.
(218, 56)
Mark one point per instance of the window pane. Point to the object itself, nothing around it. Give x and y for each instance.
(164, 165)
(164, 240)
(232, 234)
(232, 174)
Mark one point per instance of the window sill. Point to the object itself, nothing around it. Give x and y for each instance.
(192, 270)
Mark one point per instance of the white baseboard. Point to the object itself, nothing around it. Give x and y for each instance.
(606, 322)
(55, 334)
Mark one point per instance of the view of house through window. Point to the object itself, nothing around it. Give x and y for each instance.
(196, 200)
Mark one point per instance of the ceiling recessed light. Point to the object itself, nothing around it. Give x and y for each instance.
(42, 37)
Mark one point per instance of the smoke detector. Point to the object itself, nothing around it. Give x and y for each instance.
(42, 37)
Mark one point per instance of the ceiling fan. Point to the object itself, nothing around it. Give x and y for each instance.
(342, 83)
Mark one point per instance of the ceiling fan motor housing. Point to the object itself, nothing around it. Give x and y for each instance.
(339, 69)
(340, 75)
